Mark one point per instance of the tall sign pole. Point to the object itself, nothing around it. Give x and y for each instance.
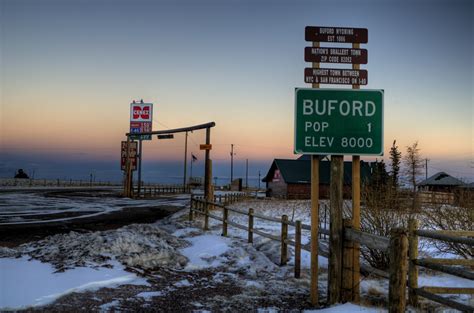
(139, 184)
(355, 295)
(231, 163)
(185, 160)
(207, 166)
(314, 297)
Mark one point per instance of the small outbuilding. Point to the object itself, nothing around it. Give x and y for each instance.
(291, 179)
(440, 182)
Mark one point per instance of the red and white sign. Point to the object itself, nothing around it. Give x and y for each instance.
(141, 112)
(141, 119)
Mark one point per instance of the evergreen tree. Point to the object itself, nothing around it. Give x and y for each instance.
(380, 176)
(395, 158)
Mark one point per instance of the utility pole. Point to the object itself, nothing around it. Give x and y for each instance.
(139, 186)
(231, 163)
(192, 161)
(247, 173)
(185, 159)
(258, 180)
(426, 168)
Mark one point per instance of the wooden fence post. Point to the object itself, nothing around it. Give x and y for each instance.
(225, 216)
(347, 266)
(284, 237)
(250, 237)
(191, 209)
(398, 271)
(206, 215)
(335, 229)
(356, 218)
(297, 249)
(412, 268)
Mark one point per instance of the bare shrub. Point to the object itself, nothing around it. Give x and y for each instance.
(379, 222)
(450, 218)
(380, 213)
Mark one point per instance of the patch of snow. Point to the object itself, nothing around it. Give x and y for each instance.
(25, 283)
(143, 245)
(150, 294)
(205, 251)
(184, 232)
(347, 307)
(110, 306)
(183, 283)
(306, 260)
(268, 310)
(252, 283)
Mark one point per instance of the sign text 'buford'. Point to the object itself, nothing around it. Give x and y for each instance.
(338, 121)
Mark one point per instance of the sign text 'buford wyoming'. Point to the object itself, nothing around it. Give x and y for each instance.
(338, 121)
(336, 34)
(335, 76)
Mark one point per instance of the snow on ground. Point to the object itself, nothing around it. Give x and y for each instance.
(25, 283)
(182, 247)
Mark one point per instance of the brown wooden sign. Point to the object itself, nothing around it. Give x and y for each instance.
(205, 147)
(336, 34)
(337, 76)
(133, 155)
(335, 55)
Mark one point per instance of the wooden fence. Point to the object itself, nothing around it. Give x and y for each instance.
(397, 245)
(436, 197)
(153, 191)
(448, 266)
(27, 182)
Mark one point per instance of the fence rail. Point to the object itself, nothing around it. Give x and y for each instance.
(445, 301)
(445, 237)
(369, 240)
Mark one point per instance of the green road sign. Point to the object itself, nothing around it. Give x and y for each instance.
(338, 121)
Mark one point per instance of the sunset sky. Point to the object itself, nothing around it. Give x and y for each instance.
(69, 70)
